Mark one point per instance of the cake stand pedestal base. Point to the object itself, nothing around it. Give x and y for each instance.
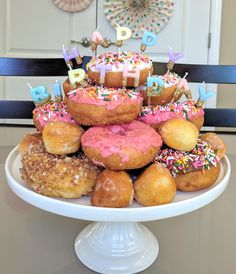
(112, 247)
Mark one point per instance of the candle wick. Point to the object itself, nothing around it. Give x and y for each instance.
(56, 81)
(117, 25)
(69, 66)
(186, 74)
(97, 27)
(29, 85)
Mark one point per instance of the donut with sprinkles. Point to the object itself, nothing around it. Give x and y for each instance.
(96, 105)
(116, 70)
(193, 170)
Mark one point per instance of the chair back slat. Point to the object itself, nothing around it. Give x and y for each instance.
(218, 74)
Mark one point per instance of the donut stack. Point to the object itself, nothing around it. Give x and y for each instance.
(110, 126)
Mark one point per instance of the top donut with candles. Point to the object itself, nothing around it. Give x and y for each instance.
(121, 69)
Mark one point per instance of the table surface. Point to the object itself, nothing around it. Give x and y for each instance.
(36, 241)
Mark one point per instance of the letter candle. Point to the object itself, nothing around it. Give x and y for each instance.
(173, 57)
(57, 91)
(203, 95)
(182, 88)
(75, 76)
(103, 69)
(135, 73)
(122, 33)
(74, 55)
(154, 86)
(149, 39)
(39, 95)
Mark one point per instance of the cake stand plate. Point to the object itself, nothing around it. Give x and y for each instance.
(115, 242)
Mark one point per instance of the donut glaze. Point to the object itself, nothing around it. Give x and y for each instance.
(117, 63)
(120, 147)
(50, 112)
(103, 106)
(155, 115)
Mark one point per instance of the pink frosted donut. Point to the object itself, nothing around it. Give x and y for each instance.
(155, 115)
(51, 112)
(96, 105)
(120, 147)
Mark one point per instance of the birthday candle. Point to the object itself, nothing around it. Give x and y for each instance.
(97, 37)
(149, 39)
(39, 94)
(135, 73)
(154, 79)
(203, 95)
(76, 76)
(74, 55)
(103, 69)
(173, 57)
(122, 33)
(57, 91)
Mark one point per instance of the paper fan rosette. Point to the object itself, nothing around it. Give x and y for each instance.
(72, 5)
(139, 15)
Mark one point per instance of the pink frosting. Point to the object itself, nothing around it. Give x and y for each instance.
(52, 111)
(114, 139)
(158, 114)
(109, 97)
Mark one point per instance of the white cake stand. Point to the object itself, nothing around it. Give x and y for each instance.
(115, 242)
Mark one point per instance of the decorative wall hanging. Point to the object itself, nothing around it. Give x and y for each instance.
(139, 15)
(72, 5)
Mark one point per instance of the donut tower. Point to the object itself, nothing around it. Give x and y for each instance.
(120, 133)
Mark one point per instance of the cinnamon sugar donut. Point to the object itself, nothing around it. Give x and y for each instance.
(49, 112)
(193, 170)
(155, 115)
(29, 141)
(58, 176)
(120, 147)
(103, 106)
(115, 64)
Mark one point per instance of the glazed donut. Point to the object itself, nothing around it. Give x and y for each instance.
(155, 115)
(165, 93)
(193, 170)
(216, 142)
(49, 112)
(58, 176)
(113, 189)
(179, 134)
(29, 141)
(120, 147)
(116, 65)
(61, 137)
(154, 186)
(103, 106)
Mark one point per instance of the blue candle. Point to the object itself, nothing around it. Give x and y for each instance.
(57, 89)
(39, 94)
(149, 38)
(154, 79)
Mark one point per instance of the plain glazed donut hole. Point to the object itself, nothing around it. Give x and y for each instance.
(61, 138)
(155, 186)
(179, 134)
(113, 189)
